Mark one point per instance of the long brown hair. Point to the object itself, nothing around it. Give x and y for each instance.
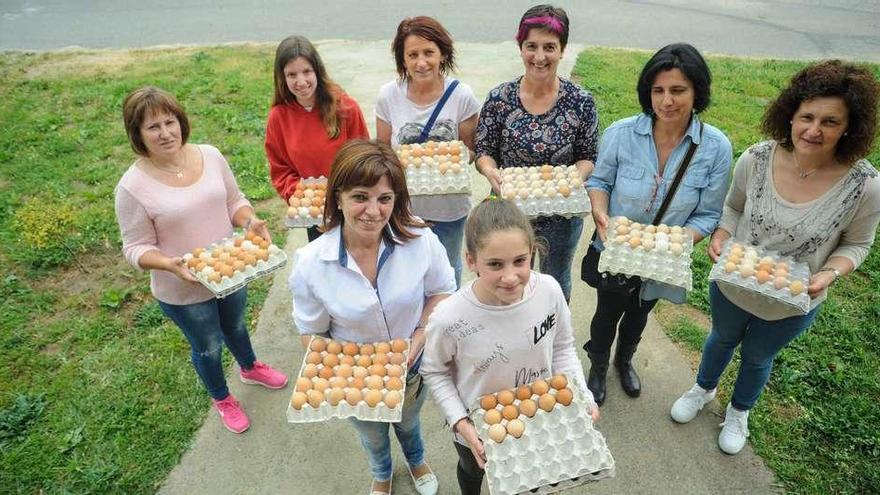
(363, 163)
(326, 93)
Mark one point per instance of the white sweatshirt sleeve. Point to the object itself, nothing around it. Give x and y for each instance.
(438, 367)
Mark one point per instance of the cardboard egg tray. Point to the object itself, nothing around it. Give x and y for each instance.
(275, 258)
(436, 168)
(787, 282)
(381, 412)
(557, 450)
(666, 258)
(306, 216)
(546, 190)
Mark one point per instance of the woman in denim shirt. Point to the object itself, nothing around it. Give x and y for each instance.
(638, 160)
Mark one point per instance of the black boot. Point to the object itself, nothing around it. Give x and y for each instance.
(628, 377)
(598, 370)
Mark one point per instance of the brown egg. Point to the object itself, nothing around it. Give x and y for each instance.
(201, 266)
(780, 272)
(367, 350)
(343, 370)
(325, 372)
(250, 235)
(497, 433)
(509, 412)
(796, 287)
(392, 398)
(364, 361)
(394, 383)
(516, 428)
(298, 400)
(192, 263)
(540, 387)
(256, 239)
(214, 277)
(350, 349)
(381, 359)
(492, 417)
(315, 398)
(374, 382)
(383, 348)
(357, 382)
(373, 397)
(238, 265)
(216, 252)
(335, 396)
(396, 358)
(337, 382)
(762, 276)
(310, 370)
(353, 396)
(765, 266)
(635, 242)
(564, 396)
(346, 359)
(780, 282)
(250, 259)
(782, 266)
(334, 347)
(524, 392)
(395, 370)
(558, 382)
(735, 259)
(377, 370)
(303, 384)
(546, 402)
(398, 345)
(505, 397)
(528, 408)
(730, 267)
(320, 384)
(359, 372)
(488, 402)
(237, 241)
(313, 358)
(330, 360)
(198, 252)
(314, 211)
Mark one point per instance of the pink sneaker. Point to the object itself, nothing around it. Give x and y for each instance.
(265, 375)
(232, 415)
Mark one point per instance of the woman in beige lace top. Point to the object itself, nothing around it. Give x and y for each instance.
(807, 193)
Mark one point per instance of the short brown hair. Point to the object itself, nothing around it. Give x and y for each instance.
(855, 85)
(363, 163)
(429, 29)
(145, 101)
(547, 17)
(493, 215)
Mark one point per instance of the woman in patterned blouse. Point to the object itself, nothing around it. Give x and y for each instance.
(540, 118)
(807, 193)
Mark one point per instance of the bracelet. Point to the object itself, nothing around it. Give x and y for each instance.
(831, 269)
(247, 223)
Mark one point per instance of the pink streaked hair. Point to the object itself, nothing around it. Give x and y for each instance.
(544, 21)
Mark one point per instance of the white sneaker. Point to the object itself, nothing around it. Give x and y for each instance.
(688, 405)
(735, 430)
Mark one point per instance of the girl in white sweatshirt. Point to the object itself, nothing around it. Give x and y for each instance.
(509, 327)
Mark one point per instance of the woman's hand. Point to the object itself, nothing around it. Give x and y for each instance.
(177, 266)
(493, 175)
(601, 220)
(415, 348)
(819, 283)
(717, 243)
(466, 429)
(260, 228)
(594, 412)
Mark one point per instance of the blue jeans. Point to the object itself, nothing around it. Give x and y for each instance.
(377, 442)
(206, 326)
(450, 235)
(761, 341)
(560, 237)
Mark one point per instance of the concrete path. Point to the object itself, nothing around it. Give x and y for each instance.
(653, 454)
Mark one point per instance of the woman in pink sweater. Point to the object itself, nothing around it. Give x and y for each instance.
(176, 197)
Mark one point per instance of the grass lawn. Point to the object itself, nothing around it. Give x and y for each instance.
(96, 390)
(818, 423)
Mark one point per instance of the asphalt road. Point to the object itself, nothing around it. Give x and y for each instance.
(783, 28)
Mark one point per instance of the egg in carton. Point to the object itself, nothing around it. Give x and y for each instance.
(436, 168)
(228, 265)
(763, 273)
(306, 204)
(346, 379)
(546, 190)
(539, 438)
(661, 253)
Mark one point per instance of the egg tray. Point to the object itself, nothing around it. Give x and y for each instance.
(424, 176)
(750, 285)
(303, 219)
(228, 285)
(380, 413)
(656, 264)
(577, 204)
(558, 450)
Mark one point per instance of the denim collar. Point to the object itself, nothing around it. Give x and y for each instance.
(334, 250)
(645, 124)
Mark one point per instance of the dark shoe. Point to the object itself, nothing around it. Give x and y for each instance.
(598, 371)
(629, 379)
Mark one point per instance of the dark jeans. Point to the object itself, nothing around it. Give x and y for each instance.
(207, 325)
(560, 236)
(313, 233)
(470, 476)
(627, 309)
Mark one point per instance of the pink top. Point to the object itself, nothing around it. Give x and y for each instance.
(176, 220)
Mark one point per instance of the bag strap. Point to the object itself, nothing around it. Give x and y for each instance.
(678, 176)
(430, 123)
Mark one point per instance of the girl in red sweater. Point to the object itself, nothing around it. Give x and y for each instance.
(310, 118)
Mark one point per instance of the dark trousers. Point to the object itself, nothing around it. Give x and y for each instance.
(470, 476)
(627, 309)
(313, 233)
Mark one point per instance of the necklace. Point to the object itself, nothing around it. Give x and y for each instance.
(803, 174)
(178, 173)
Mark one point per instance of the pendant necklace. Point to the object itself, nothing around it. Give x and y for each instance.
(178, 173)
(803, 174)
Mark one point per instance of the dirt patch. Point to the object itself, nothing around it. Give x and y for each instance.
(102, 270)
(81, 63)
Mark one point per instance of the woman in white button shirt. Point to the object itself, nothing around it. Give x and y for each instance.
(375, 275)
